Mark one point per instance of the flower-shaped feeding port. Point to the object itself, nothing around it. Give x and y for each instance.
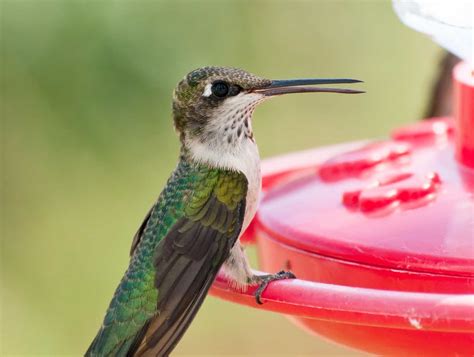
(392, 191)
(356, 163)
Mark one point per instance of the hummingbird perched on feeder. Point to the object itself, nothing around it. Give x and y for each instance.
(193, 229)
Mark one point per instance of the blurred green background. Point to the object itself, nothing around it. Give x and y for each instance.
(87, 140)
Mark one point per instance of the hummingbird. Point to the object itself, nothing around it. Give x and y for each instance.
(193, 229)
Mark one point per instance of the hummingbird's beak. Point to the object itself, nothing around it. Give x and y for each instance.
(287, 86)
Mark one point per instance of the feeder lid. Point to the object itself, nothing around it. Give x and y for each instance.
(403, 204)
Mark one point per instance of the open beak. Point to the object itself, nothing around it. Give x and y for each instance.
(287, 86)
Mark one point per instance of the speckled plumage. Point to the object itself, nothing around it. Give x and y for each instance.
(189, 189)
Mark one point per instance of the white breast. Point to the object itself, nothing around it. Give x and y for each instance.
(250, 166)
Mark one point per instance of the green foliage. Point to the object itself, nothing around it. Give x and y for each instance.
(88, 140)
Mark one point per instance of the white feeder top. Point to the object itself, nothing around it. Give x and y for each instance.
(448, 22)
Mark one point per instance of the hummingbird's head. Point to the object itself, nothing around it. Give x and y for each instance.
(213, 106)
(216, 102)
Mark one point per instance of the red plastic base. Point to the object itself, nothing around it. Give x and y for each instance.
(392, 342)
(373, 308)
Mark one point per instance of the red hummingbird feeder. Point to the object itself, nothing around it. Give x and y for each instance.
(380, 236)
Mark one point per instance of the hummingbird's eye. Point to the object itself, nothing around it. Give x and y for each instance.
(220, 89)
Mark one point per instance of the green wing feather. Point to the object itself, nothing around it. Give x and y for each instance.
(176, 254)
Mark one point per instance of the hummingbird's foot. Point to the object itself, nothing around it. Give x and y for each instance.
(267, 279)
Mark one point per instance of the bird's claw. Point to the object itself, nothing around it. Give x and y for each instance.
(267, 279)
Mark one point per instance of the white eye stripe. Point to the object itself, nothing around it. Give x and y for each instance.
(207, 90)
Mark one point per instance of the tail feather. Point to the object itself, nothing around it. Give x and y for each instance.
(186, 287)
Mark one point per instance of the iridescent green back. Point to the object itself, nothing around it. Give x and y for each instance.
(195, 194)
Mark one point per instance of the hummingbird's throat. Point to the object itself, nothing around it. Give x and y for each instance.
(232, 122)
(226, 140)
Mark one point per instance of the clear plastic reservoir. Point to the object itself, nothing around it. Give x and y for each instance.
(448, 22)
